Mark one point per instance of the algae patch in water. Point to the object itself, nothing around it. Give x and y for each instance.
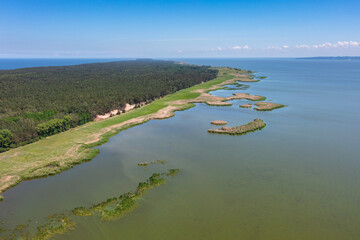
(144, 164)
(55, 224)
(114, 208)
(108, 210)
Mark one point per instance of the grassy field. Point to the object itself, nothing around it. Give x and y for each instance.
(59, 152)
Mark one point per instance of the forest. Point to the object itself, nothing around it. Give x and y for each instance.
(42, 101)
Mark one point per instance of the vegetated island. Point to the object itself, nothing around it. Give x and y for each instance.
(267, 106)
(108, 210)
(246, 105)
(219, 122)
(256, 124)
(59, 152)
(247, 97)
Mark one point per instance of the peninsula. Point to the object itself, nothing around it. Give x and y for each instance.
(56, 153)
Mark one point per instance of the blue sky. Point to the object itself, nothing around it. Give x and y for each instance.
(116, 29)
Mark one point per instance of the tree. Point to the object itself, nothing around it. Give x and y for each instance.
(5, 138)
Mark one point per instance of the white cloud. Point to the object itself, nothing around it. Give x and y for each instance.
(275, 48)
(240, 47)
(245, 47)
(287, 48)
(339, 44)
(302, 46)
(326, 45)
(179, 51)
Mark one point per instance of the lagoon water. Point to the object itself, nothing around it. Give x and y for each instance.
(298, 178)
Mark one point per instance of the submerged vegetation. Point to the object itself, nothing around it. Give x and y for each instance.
(238, 86)
(256, 124)
(158, 162)
(56, 224)
(173, 172)
(144, 164)
(108, 210)
(113, 208)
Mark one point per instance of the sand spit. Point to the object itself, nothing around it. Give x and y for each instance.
(219, 122)
(256, 124)
(246, 105)
(267, 106)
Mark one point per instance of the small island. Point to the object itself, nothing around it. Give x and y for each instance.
(249, 105)
(219, 122)
(256, 124)
(267, 106)
(219, 103)
(247, 96)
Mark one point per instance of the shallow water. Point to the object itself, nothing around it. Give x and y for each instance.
(298, 178)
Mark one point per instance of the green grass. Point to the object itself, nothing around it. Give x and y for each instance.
(68, 148)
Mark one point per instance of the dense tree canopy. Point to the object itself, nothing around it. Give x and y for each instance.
(38, 101)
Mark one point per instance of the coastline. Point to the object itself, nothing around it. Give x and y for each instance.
(60, 152)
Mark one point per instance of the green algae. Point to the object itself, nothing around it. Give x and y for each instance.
(158, 161)
(109, 210)
(114, 208)
(55, 224)
(144, 164)
(173, 172)
(59, 224)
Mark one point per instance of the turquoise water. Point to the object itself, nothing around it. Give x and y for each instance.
(298, 178)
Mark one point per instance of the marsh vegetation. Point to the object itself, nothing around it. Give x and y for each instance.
(267, 106)
(256, 124)
(109, 210)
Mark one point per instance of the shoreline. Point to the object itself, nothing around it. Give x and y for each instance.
(61, 152)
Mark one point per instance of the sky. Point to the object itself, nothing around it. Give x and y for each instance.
(178, 29)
